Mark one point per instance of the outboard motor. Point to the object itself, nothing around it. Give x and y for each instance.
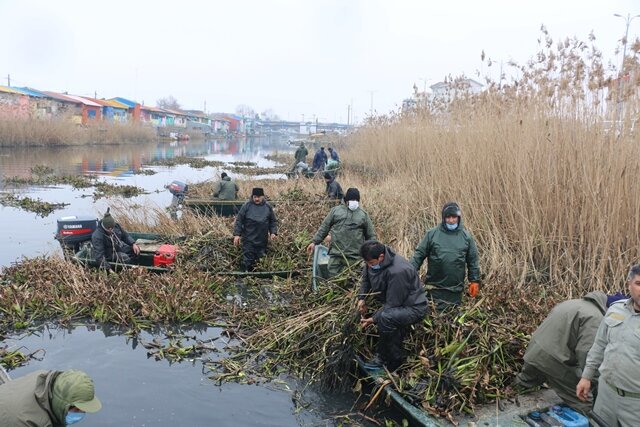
(179, 190)
(75, 230)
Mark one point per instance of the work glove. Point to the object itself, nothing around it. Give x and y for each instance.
(474, 289)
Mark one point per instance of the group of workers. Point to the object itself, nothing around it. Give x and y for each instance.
(321, 161)
(595, 339)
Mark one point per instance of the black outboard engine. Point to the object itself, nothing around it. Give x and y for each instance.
(75, 230)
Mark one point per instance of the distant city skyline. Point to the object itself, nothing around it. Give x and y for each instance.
(320, 59)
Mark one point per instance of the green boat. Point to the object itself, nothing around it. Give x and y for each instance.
(231, 207)
(285, 274)
(149, 243)
(507, 413)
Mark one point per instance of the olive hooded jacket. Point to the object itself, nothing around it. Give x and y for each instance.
(563, 339)
(26, 402)
(349, 230)
(450, 254)
(226, 189)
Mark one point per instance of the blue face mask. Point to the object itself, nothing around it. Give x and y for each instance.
(451, 227)
(375, 267)
(74, 417)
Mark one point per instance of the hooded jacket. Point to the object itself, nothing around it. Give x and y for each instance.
(301, 154)
(564, 338)
(105, 245)
(26, 402)
(449, 253)
(349, 230)
(395, 284)
(254, 223)
(334, 190)
(226, 189)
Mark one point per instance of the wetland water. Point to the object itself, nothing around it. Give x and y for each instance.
(136, 390)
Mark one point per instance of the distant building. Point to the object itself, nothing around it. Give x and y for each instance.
(448, 91)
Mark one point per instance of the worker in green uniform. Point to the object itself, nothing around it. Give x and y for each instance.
(47, 399)
(225, 189)
(450, 250)
(616, 355)
(348, 226)
(558, 349)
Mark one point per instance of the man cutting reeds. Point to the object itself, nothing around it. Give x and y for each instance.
(255, 225)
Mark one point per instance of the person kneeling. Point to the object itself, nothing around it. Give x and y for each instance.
(395, 283)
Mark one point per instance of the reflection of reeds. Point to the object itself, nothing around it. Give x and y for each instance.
(58, 132)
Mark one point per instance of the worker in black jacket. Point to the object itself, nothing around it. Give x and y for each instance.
(395, 283)
(110, 243)
(256, 224)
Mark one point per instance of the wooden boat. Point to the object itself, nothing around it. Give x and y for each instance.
(508, 414)
(149, 243)
(232, 207)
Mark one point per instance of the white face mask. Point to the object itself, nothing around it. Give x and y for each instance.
(353, 204)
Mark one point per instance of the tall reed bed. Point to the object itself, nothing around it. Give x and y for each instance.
(55, 132)
(547, 187)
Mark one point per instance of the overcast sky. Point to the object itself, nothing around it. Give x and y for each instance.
(311, 57)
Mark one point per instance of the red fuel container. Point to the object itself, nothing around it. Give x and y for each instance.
(164, 256)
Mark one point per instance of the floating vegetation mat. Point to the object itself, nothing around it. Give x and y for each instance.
(104, 189)
(14, 358)
(144, 172)
(76, 182)
(281, 158)
(256, 170)
(196, 163)
(32, 205)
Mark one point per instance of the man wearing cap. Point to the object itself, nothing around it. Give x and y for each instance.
(301, 154)
(47, 399)
(110, 243)
(334, 190)
(450, 250)
(558, 349)
(225, 189)
(348, 226)
(319, 160)
(394, 282)
(615, 354)
(255, 225)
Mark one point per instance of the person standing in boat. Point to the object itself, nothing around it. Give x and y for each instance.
(393, 281)
(255, 225)
(47, 398)
(111, 243)
(225, 189)
(348, 226)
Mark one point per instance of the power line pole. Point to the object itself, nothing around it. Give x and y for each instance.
(9, 80)
(371, 92)
(348, 114)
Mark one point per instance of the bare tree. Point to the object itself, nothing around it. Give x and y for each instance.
(270, 114)
(169, 102)
(245, 111)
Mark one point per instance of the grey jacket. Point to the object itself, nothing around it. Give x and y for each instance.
(334, 190)
(395, 284)
(254, 223)
(563, 339)
(226, 189)
(26, 401)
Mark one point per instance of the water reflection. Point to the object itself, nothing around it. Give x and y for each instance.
(123, 160)
(137, 391)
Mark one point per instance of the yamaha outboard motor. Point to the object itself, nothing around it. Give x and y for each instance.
(178, 189)
(75, 230)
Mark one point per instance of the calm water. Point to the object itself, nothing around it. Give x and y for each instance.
(138, 391)
(135, 390)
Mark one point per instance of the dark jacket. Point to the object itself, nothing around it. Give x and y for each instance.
(334, 155)
(225, 189)
(254, 223)
(319, 160)
(349, 230)
(334, 190)
(26, 401)
(105, 245)
(395, 284)
(563, 339)
(449, 254)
